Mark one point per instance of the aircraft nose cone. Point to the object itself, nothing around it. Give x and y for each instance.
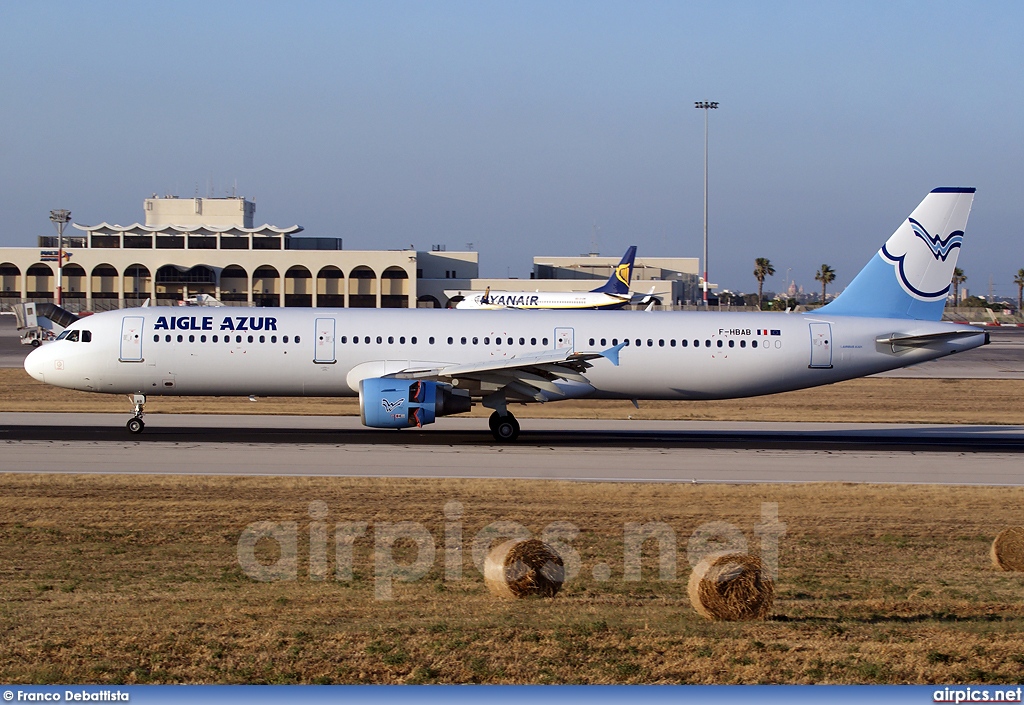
(35, 363)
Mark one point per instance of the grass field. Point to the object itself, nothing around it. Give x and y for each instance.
(862, 400)
(135, 580)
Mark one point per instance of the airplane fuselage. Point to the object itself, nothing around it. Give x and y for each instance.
(326, 352)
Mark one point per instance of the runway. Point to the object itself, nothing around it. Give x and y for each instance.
(582, 450)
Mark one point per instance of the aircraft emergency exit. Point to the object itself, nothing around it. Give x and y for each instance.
(410, 366)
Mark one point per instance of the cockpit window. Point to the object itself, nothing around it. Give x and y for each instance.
(86, 336)
(63, 335)
(72, 336)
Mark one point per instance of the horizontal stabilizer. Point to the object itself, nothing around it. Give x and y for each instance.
(920, 341)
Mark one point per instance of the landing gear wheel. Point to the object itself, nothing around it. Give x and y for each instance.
(135, 425)
(493, 421)
(505, 428)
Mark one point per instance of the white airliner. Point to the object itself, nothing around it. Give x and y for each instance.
(409, 366)
(613, 294)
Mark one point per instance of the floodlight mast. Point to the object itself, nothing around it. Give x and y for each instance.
(705, 106)
(60, 218)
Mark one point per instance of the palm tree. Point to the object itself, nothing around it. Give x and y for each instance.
(958, 278)
(762, 268)
(826, 275)
(1019, 281)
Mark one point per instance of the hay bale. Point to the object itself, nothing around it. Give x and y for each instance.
(523, 567)
(731, 587)
(1008, 549)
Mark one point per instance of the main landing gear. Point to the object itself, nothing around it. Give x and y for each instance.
(135, 423)
(504, 427)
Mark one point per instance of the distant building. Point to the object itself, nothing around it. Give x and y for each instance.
(190, 246)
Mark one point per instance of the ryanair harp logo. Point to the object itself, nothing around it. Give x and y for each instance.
(622, 273)
(390, 406)
(940, 248)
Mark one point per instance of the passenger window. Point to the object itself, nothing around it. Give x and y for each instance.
(743, 343)
(753, 343)
(719, 342)
(202, 339)
(73, 336)
(650, 343)
(615, 341)
(684, 342)
(86, 336)
(626, 342)
(544, 341)
(167, 338)
(250, 338)
(707, 343)
(238, 339)
(263, 338)
(463, 341)
(591, 343)
(191, 339)
(451, 340)
(487, 341)
(661, 343)
(355, 339)
(401, 341)
(379, 340)
(297, 340)
(273, 339)
(522, 341)
(732, 343)
(344, 339)
(672, 342)
(156, 338)
(181, 338)
(639, 342)
(533, 341)
(284, 338)
(366, 339)
(603, 343)
(391, 340)
(413, 340)
(696, 343)
(215, 339)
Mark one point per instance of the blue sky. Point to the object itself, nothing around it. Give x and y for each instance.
(518, 126)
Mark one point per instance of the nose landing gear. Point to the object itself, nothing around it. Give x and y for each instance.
(135, 423)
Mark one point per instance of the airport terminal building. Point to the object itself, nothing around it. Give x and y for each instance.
(190, 246)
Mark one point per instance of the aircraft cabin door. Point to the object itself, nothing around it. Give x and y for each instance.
(131, 339)
(564, 339)
(324, 342)
(821, 345)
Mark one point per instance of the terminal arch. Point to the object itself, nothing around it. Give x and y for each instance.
(362, 288)
(298, 286)
(104, 282)
(266, 286)
(10, 281)
(394, 288)
(234, 283)
(330, 287)
(138, 284)
(74, 282)
(40, 284)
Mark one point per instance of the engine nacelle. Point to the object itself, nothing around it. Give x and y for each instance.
(399, 403)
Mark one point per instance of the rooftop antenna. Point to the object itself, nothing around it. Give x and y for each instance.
(593, 240)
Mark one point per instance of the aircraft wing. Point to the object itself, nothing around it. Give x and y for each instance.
(532, 376)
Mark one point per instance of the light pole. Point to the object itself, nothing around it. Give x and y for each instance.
(705, 106)
(60, 218)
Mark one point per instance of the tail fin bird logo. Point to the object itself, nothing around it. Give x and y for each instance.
(940, 248)
(390, 406)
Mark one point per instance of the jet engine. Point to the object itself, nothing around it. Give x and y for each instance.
(400, 403)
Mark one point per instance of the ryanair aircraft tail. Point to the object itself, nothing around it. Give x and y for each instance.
(618, 282)
(911, 275)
